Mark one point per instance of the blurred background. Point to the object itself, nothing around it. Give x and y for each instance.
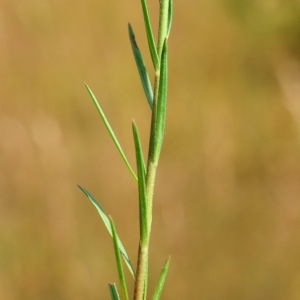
(227, 201)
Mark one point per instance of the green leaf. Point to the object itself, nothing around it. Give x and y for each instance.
(150, 38)
(113, 291)
(141, 67)
(110, 131)
(106, 222)
(118, 260)
(161, 102)
(164, 23)
(161, 280)
(170, 16)
(141, 185)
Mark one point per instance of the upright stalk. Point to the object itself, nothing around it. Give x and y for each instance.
(143, 253)
(155, 143)
(157, 98)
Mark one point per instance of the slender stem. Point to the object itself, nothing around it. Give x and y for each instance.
(140, 288)
(143, 254)
(150, 181)
(141, 274)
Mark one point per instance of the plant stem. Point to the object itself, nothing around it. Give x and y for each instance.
(141, 275)
(155, 142)
(143, 254)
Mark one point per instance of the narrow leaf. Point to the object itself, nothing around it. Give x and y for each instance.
(161, 101)
(112, 134)
(150, 38)
(141, 184)
(141, 67)
(118, 260)
(113, 291)
(106, 222)
(164, 21)
(161, 280)
(170, 16)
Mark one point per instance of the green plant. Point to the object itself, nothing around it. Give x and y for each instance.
(146, 172)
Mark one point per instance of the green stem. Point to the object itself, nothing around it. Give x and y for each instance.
(155, 141)
(143, 255)
(142, 272)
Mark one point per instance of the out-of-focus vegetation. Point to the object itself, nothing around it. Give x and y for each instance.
(227, 203)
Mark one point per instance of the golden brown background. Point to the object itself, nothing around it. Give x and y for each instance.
(227, 202)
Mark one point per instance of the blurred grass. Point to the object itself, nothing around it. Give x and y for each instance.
(227, 207)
